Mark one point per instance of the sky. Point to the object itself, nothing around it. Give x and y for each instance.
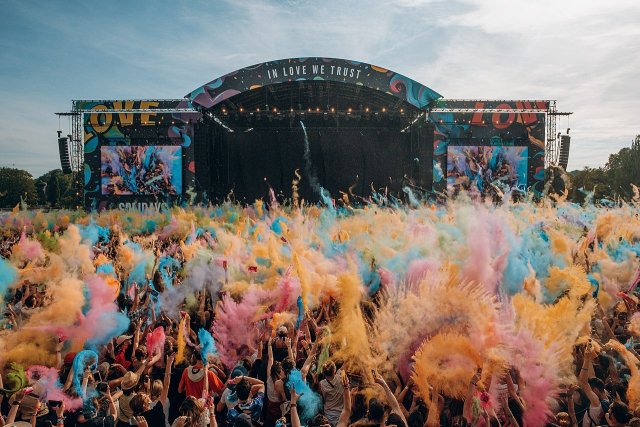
(583, 53)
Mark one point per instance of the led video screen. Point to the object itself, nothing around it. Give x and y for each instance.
(480, 168)
(141, 170)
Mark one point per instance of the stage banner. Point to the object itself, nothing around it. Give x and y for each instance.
(138, 154)
(330, 69)
(463, 127)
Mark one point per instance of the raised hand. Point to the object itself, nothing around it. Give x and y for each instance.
(294, 396)
(170, 359)
(60, 410)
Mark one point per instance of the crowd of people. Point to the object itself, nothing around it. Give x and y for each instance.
(466, 314)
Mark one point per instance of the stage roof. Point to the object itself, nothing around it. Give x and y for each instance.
(285, 78)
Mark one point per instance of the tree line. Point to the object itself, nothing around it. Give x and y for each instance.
(611, 182)
(54, 189)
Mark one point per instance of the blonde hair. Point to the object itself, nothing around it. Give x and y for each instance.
(192, 408)
(156, 389)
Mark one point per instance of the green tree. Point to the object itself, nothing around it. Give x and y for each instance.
(57, 190)
(590, 180)
(16, 185)
(623, 169)
(612, 181)
(53, 191)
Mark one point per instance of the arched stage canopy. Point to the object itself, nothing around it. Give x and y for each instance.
(312, 69)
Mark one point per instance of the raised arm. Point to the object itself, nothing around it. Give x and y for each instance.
(112, 411)
(295, 419)
(69, 381)
(583, 378)
(402, 394)
(145, 364)
(15, 405)
(205, 389)
(505, 407)
(59, 346)
(307, 363)
(34, 416)
(85, 382)
(136, 337)
(511, 388)
(201, 313)
(571, 406)
(467, 411)
(391, 399)
(256, 384)
(167, 380)
(269, 356)
(433, 419)
(290, 352)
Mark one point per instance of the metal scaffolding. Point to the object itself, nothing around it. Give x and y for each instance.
(552, 146)
(76, 152)
(76, 149)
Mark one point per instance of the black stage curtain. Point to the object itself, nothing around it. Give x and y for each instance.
(341, 158)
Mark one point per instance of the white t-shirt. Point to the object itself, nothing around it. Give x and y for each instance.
(594, 413)
(332, 394)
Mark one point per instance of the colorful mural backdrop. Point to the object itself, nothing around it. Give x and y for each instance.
(481, 123)
(486, 169)
(332, 69)
(162, 142)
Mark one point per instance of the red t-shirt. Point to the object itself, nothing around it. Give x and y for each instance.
(121, 359)
(194, 388)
